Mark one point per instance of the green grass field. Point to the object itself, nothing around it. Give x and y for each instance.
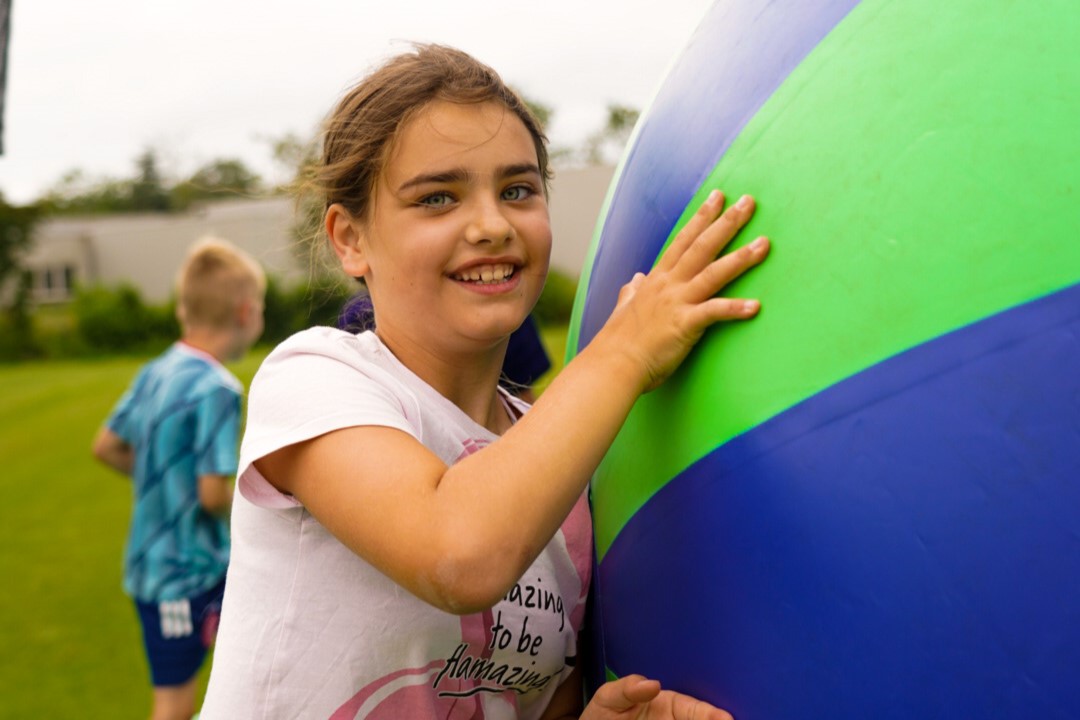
(71, 642)
(72, 647)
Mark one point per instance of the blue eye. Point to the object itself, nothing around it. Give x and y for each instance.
(436, 200)
(517, 192)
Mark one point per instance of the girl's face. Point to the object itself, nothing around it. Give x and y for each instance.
(455, 248)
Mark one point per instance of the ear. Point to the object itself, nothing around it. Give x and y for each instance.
(244, 310)
(345, 233)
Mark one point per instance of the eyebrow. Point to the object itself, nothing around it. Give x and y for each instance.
(461, 174)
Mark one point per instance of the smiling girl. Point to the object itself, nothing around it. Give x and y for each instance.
(408, 541)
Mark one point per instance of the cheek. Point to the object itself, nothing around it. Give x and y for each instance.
(539, 234)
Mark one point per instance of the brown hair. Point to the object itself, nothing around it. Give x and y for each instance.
(215, 278)
(360, 131)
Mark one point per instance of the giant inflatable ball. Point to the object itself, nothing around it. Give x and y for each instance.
(865, 503)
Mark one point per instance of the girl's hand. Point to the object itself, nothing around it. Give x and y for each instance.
(660, 316)
(637, 698)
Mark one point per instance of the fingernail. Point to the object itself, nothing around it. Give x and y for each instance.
(750, 306)
(744, 202)
(713, 197)
(757, 244)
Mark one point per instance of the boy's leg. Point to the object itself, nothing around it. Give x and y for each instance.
(174, 703)
(177, 635)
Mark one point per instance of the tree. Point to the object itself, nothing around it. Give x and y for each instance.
(293, 154)
(544, 113)
(228, 175)
(218, 179)
(541, 110)
(601, 147)
(612, 138)
(16, 224)
(147, 192)
(75, 193)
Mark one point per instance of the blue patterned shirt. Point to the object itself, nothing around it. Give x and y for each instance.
(181, 416)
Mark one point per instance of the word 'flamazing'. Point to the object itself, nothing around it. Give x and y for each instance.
(480, 669)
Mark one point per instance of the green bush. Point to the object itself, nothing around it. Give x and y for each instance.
(116, 320)
(278, 313)
(17, 341)
(321, 303)
(104, 321)
(56, 332)
(289, 310)
(556, 303)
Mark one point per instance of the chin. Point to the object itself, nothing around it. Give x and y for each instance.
(493, 333)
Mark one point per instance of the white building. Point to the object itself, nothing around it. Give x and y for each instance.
(146, 249)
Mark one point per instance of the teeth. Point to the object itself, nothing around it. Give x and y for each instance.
(487, 274)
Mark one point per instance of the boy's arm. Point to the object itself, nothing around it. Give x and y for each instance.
(215, 494)
(112, 450)
(217, 431)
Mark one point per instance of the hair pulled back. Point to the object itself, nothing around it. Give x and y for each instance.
(360, 131)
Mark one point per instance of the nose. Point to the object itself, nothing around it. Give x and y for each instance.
(488, 223)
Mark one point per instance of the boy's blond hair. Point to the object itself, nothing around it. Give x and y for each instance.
(215, 278)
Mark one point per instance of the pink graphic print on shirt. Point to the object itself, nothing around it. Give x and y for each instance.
(409, 693)
(452, 689)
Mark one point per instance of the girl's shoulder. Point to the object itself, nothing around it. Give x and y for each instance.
(323, 340)
(326, 356)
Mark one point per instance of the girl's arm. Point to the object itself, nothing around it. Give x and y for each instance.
(459, 537)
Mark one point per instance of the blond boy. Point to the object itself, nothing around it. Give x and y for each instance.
(174, 431)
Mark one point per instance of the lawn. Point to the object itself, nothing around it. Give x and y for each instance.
(71, 643)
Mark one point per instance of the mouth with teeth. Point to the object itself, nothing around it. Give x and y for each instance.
(486, 274)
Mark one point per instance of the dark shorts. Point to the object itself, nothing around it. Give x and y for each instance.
(177, 634)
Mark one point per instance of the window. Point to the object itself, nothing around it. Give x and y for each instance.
(53, 283)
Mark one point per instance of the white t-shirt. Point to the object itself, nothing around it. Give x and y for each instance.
(310, 630)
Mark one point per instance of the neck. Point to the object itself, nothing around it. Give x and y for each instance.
(216, 343)
(467, 378)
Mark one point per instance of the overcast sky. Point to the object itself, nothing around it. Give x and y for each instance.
(91, 83)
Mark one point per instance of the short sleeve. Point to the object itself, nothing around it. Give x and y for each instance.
(311, 385)
(120, 420)
(217, 423)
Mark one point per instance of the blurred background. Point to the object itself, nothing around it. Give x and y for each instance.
(130, 129)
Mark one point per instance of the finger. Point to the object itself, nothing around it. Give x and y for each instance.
(639, 689)
(626, 692)
(629, 289)
(684, 707)
(707, 213)
(721, 272)
(721, 309)
(707, 246)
